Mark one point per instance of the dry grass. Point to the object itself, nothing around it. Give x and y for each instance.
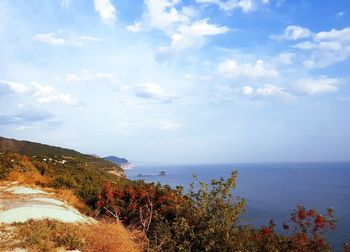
(33, 179)
(110, 237)
(73, 200)
(7, 240)
(29, 178)
(48, 235)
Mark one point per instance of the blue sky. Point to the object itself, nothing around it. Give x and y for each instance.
(200, 81)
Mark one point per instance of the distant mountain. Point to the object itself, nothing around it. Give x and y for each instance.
(116, 160)
(123, 162)
(46, 151)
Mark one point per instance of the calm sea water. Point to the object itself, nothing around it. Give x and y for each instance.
(273, 190)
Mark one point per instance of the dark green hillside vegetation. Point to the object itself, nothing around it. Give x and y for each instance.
(34, 149)
(43, 151)
(81, 177)
(116, 160)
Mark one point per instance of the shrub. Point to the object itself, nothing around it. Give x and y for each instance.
(45, 235)
(110, 237)
(206, 219)
(29, 178)
(48, 235)
(65, 181)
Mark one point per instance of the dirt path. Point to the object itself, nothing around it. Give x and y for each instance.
(21, 203)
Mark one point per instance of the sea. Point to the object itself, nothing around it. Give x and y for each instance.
(272, 190)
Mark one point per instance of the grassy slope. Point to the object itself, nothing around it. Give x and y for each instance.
(43, 150)
(81, 175)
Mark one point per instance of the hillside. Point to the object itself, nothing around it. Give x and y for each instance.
(63, 155)
(122, 162)
(116, 160)
(47, 219)
(205, 218)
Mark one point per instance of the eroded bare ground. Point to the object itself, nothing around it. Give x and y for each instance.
(19, 204)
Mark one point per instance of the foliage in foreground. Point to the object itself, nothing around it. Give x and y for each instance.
(48, 235)
(206, 219)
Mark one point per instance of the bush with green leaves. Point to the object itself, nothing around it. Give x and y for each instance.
(205, 218)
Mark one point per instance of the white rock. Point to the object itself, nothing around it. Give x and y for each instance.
(24, 190)
(37, 212)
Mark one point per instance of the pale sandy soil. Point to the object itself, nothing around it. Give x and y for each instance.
(21, 203)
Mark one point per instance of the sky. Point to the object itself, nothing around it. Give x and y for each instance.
(171, 81)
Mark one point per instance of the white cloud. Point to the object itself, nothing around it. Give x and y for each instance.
(106, 11)
(258, 70)
(293, 32)
(270, 90)
(169, 125)
(72, 39)
(286, 58)
(326, 48)
(15, 87)
(26, 116)
(201, 78)
(87, 76)
(57, 98)
(307, 45)
(49, 38)
(128, 127)
(202, 28)
(23, 127)
(49, 94)
(229, 5)
(149, 90)
(340, 14)
(80, 40)
(177, 21)
(152, 91)
(313, 86)
(123, 127)
(247, 90)
(193, 35)
(42, 93)
(339, 35)
(65, 4)
(265, 91)
(136, 27)
(228, 93)
(162, 15)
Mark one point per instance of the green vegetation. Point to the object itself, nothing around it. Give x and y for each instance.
(43, 151)
(206, 218)
(83, 178)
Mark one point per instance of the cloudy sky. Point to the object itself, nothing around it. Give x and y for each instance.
(191, 81)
